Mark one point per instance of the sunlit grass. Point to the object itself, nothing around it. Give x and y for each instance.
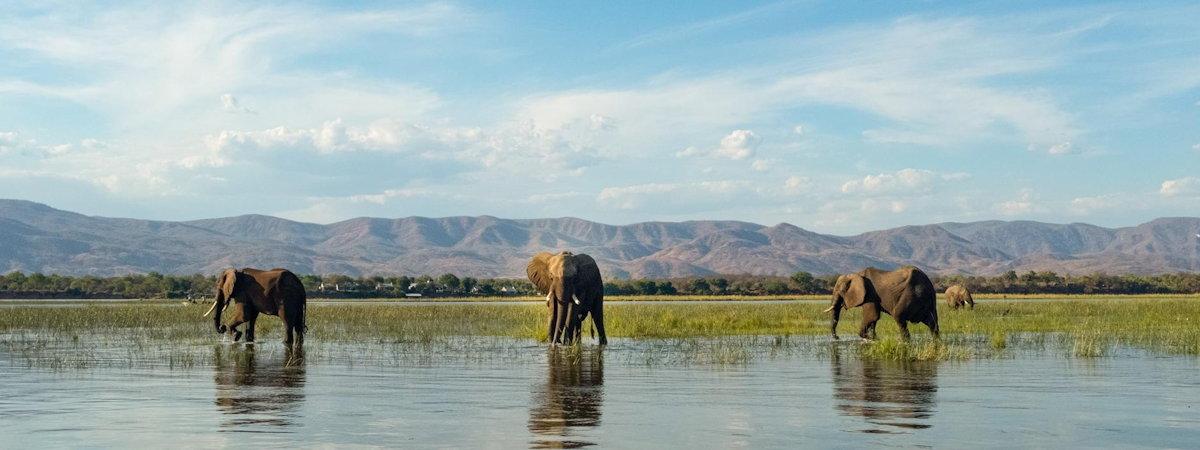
(893, 349)
(174, 334)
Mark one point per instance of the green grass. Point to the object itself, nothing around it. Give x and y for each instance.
(97, 334)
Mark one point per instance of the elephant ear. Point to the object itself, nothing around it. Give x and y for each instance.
(229, 281)
(858, 291)
(538, 271)
(587, 275)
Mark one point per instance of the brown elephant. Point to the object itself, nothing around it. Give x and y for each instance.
(249, 292)
(957, 296)
(573, 289)
(906, 294)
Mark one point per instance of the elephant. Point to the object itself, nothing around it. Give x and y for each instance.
(957, 296)
(906, 294)
(573, 289)
(248, 292)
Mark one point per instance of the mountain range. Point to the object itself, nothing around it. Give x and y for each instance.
(37, 238)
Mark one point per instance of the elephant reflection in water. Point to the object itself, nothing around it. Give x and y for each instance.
(570, 400)
(885, 393)
(258, 390)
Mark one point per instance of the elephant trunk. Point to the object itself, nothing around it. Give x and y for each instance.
(571, 324)
(836, 307)
(219, 307)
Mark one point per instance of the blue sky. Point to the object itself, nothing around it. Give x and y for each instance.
(835, 116)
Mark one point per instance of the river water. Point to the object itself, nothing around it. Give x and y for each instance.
(554, 399)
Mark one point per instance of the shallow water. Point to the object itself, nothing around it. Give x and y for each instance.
(536, 397)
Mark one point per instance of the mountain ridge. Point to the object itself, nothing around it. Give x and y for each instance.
(38, 238)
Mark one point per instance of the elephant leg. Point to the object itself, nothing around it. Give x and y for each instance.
(932, 323)
(870, 316)
(569, 324)
(903, 329)
(552, 321)
(233, 329)
(250, 321)
(562, 319)
(598, 322)
(288, 329)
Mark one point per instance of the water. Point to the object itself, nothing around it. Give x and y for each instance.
(541, 398)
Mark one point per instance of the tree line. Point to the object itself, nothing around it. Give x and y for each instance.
(156, 285)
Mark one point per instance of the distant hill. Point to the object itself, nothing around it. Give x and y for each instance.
(38, 238)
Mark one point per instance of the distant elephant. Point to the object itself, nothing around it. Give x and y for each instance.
(573, 289)
(249, 292)
(905, 293)
(957, 296)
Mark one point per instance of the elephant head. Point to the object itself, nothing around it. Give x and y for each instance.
(555, 274)
(851, 291)
(229, 285)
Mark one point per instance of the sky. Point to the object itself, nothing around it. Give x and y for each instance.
(838, 117)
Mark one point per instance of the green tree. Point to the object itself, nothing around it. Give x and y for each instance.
(449, 281)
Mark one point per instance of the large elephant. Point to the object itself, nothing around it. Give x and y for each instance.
(957, 296)
(905, 293)
(249, 292)
(573, 289)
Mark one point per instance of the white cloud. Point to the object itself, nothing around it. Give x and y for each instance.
(13, 143)
(688, 152)
(798, 130)
(149, 65)
(1181, 187)
(10, 141)
(796, 184)
(908, 180)
(1061, 148)
(739, 144)
(598, 122)
(1196, 147)
(1025, 203)
(762, 165)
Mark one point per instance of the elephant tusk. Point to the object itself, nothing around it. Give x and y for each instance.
(830, 308)
(210, 310)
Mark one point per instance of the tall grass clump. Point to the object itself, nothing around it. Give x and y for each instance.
(1088, 345)
(892, 349)
(998, 340)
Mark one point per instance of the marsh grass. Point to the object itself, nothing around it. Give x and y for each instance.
(998, 340)
(69, 336)
(892, 349)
